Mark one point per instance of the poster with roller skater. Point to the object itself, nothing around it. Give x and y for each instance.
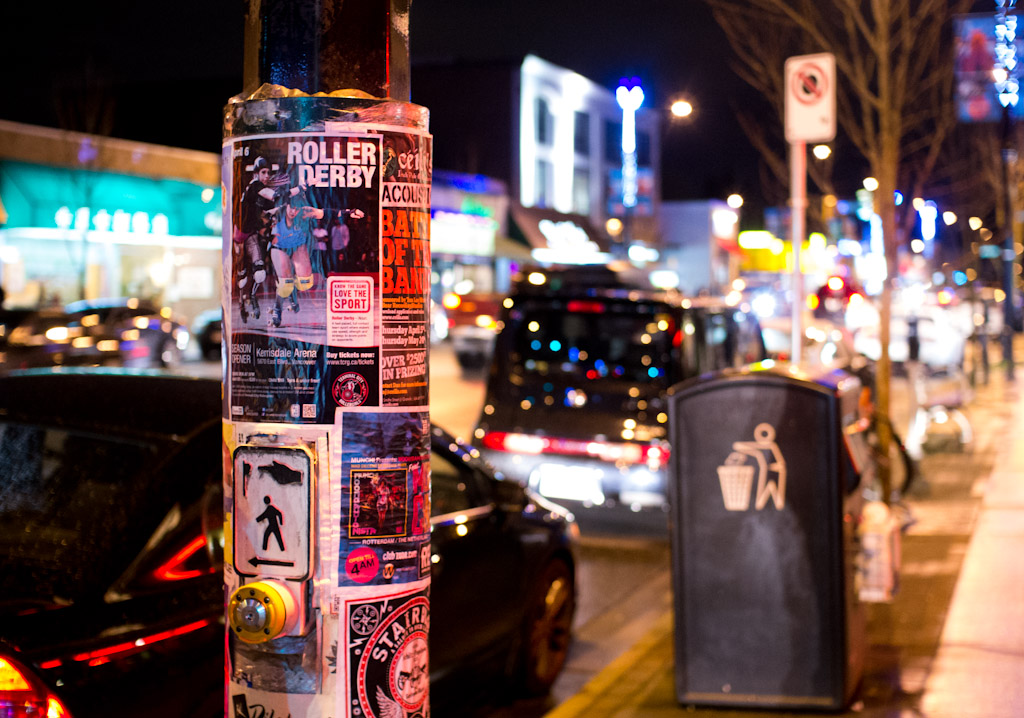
(328, 261)
(290, 196)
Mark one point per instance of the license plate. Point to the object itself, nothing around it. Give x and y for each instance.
(576, 483)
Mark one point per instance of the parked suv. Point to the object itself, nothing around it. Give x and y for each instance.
(575, 404)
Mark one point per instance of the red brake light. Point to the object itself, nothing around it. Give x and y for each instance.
(174, 568)
(653, 455)
(24, 695)
(103, 655)
(519, 443)
(586, 307)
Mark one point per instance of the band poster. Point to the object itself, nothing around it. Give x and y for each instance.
(328, 262)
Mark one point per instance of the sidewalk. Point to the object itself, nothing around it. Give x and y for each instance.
(951, 645)
(979, 669)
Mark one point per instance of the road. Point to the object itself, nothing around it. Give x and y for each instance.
(623, 576)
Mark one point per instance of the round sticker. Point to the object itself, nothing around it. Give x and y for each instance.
(350, 389)
(361, 565)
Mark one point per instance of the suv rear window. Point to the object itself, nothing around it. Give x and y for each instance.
(593, 340)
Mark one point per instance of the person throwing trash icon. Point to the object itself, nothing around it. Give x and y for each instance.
(771, 466)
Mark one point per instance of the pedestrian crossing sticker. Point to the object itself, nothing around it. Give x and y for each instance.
(272, 497)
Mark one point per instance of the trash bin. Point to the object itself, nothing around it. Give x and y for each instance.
(763, 530)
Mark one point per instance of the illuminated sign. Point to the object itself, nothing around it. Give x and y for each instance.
(568, 243)
(103, 221)
(462, 234)
(629, 99)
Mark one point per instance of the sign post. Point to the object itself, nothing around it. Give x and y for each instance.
(810, 109)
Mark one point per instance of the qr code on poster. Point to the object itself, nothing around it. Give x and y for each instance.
(309, 411)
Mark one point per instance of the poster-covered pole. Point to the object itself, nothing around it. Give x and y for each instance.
(326, 282)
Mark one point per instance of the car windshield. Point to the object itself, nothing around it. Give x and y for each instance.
(66, 499)
(588, 341)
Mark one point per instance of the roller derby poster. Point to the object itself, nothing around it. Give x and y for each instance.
(327, 257)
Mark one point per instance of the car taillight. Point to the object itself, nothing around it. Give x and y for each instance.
(188, 562)
(518, 443)
(653, 455)
(586, 307)
(106, 655)
(24, 695)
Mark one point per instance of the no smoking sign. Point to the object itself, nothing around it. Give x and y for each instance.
(811, 98)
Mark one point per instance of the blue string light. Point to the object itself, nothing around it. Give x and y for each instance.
(1004, 71)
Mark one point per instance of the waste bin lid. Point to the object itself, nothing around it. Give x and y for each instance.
(832, 380)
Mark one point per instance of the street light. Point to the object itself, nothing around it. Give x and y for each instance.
(681, 108)
(822, 152)
(734, 200)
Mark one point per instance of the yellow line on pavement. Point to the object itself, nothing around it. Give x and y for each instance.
(611, 676)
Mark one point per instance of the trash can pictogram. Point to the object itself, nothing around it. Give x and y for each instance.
(736, 482)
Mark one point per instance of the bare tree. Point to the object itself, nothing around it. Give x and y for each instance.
(893, 95)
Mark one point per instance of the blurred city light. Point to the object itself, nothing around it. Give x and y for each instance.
(723, 222)
(764, 304)
(949, 218)
(734, 200)
(929, 213)
(822, 152)
(974, 223)
(664, 279)
(681, 108)
(870, 184)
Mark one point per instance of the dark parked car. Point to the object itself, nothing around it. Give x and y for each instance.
(575, 403)
(111, 528)
(128, 332)
(37, 338)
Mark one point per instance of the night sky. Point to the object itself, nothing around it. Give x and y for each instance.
(162, 72)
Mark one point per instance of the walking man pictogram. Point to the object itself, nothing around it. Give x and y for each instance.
(274, 518)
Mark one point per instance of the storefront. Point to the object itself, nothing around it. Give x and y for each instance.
(558, 238)
(469, 235)
(90, 217)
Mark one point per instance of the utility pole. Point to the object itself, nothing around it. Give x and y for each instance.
(326, 284)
